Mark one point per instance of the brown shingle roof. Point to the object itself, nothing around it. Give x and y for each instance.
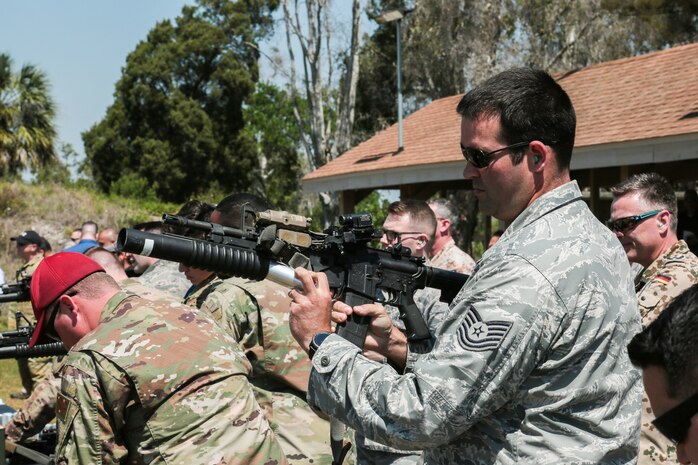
(644, 97)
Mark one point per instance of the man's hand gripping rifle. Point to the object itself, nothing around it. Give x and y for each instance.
(281, 241)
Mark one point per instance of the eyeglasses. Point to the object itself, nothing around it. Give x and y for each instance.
(394, 236)
(629, 222)
(481, 159)
(675, 423)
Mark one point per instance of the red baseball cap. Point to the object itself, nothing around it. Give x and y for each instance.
(52, 278)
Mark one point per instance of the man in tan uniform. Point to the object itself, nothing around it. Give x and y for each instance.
(29, 247)
(444, 252)
(643, 216)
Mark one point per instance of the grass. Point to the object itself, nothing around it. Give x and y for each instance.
(9, 374)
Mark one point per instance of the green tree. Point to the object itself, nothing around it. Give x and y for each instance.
(176, 123)
(270, 124)
(27, 111)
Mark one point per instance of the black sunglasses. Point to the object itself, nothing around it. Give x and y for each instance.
(481, 159)
(675, 422)
(629, 222)
(49, 328)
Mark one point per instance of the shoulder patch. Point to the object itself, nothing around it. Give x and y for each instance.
(478, 335)
(664, 279)
(62, 404)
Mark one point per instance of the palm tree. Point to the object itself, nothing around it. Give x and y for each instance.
(27, 111)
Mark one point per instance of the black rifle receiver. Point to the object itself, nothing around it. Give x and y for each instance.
(357, 273)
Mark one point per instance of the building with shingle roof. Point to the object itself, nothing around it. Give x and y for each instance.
(634, 115)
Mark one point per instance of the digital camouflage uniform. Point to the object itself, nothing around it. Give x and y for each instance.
(370, 452)
(40, 408)
(529, 366)
(256, 315)
(666, 278)
(164, 276)
(450, 257)
(159, 382)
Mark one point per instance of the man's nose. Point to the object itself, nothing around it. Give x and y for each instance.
(470, 172)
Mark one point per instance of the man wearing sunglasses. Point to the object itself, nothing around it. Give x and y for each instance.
(529, 365)
(666, 352)
(643, 217)
(144, 381)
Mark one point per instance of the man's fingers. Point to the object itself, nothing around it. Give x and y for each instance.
(372, 310)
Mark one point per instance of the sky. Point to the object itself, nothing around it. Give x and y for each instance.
(82, 46)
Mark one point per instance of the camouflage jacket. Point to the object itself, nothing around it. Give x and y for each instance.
(40, 407)
(450, 257)
(256, 315)
(666, 278)
(164, 276)
(27, 270)
(38, 410)
(159, 382)
(530, 364)
(197, 295)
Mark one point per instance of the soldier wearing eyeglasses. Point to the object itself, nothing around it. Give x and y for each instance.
(666, 352)
(530, 364)
(643, 217)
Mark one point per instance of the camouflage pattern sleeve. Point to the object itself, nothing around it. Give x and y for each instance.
(37, 411)
(666, 278)
(87, 432)
(236, 312)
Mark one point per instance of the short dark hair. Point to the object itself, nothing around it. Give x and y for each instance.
(653, 189)
(231, 208)
(670, 342)
(419, 213)
(149, 226)
(530, 105)
(192, 210)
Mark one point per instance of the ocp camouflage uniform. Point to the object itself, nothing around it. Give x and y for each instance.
(27, 270)
(40, 408)
(159, 382)
(529, 366)
(450, 257)
(164, 276)
(666, 278)
(256, 314)
(31, 370)
(197, 295)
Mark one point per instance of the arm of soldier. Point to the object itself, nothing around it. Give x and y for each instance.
(37, 411)
(89, 422)
(464, 378)
(235, 311)
(383, 341)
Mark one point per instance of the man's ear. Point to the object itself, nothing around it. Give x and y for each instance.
(69, 302)
(663, 220)
(540, 155)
